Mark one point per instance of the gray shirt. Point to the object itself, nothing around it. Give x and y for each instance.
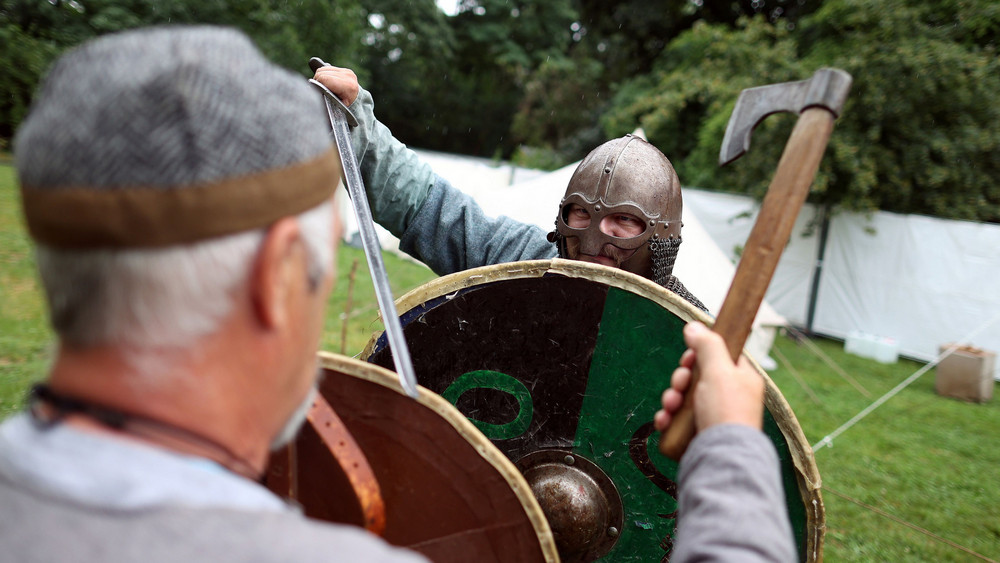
(72, 495)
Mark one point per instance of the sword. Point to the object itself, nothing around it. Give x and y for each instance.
(341, 119)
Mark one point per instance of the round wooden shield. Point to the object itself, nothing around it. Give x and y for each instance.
(447, 491)
(565, 356)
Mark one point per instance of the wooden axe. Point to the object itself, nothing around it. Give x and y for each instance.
(818, 102)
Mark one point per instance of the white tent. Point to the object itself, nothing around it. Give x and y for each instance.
(911, 283)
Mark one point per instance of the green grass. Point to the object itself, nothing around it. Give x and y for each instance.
(24, 334)
(363, 318)
(921, 458)
(930, 461)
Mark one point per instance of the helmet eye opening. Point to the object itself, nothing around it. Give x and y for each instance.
(623, 225)
(576, 216)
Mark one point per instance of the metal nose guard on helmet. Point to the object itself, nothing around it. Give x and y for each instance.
(637, 188)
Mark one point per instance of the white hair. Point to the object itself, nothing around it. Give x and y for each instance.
(162, 299)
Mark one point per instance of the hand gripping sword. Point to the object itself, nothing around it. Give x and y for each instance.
(818, 102)
(341, 119)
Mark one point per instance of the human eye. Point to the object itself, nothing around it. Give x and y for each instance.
(630, 224)
(577, 217)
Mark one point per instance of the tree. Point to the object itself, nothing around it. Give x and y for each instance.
(918, 132)
(500, 43)
(629, 35)
(408, 50)
(621, 39)
(34, 33)
(558, 117)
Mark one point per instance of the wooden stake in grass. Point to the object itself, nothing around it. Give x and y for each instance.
(347, 306)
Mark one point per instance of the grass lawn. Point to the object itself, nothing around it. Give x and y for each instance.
(921, 459)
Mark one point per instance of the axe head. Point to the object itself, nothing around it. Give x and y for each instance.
(827, 88)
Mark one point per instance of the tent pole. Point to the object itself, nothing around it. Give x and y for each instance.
(814, 290)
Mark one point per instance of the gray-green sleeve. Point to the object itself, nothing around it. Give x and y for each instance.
(731, 505)
(451, 233)
(435, 222)
(396, 180)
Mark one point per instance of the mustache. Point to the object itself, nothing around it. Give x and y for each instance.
(617, 254)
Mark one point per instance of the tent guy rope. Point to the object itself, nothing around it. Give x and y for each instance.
(829, 438)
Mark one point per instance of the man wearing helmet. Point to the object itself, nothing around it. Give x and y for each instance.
(622, 207)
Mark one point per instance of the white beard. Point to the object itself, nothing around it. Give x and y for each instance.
(294, 422)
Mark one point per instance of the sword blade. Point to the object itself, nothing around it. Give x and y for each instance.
(370, 243)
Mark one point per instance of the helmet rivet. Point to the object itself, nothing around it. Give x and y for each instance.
(656, 235)
(597, 208)
(607, 170)
(652, 222)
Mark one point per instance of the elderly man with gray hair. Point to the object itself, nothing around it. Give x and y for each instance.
(179, 189)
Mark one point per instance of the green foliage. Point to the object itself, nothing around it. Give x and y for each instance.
(33, 33)
(408, 50)
(557, 77)
(684, 104)
(23, 59)
(917, 134)
(538, 158)
(560, 107)
(454, 83)
(500, 43)
(516, 35)
(627, 36)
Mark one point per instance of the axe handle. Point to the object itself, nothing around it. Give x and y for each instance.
(785, 196)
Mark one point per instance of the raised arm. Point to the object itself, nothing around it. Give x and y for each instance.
(435, 222)
(396, 180)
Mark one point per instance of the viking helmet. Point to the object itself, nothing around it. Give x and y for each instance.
(626, 175)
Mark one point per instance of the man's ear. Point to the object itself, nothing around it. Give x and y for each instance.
(275, 271)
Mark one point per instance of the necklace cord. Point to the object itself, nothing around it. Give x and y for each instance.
(60, 406)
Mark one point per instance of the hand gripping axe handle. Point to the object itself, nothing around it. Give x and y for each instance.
(341, 119)
(818, 102)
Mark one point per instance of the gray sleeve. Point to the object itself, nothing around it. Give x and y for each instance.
(451, 233)
(732, 505)
(396, 180)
